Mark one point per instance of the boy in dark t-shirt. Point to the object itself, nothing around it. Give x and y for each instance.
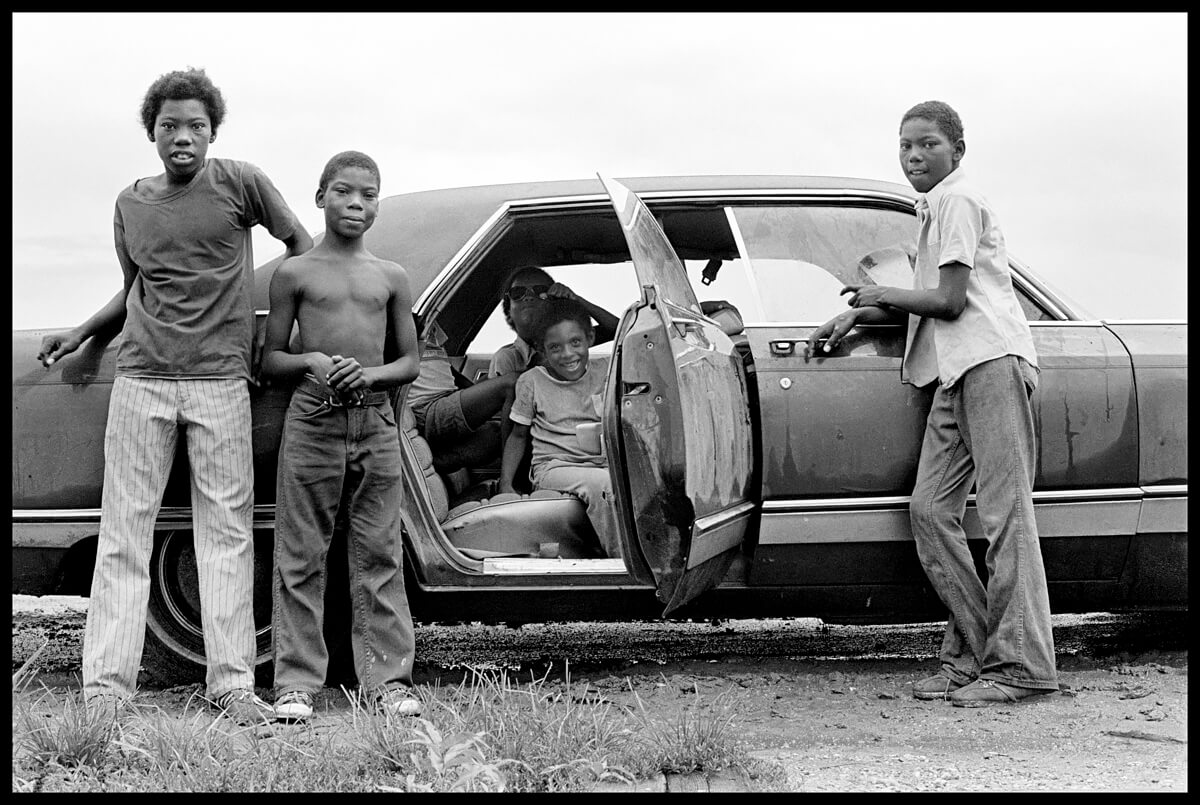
(186, 358)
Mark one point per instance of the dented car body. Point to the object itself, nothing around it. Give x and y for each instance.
(752, 479)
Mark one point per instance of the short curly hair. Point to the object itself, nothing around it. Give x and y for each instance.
(183, 85)
(505, 302)
(557, 310)
(348, 159)
(941, 115)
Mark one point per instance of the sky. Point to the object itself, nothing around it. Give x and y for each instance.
(1075, 124)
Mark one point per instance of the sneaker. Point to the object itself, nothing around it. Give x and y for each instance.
(245, 707)
(934, 687)
(109, 705)
(398, 702)
(295, 705)
(986, 692)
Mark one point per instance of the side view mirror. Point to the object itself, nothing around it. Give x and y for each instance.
(725, 315)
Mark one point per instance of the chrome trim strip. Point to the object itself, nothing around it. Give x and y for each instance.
(55, 515)
(718, 533)
(814, 324)
(1166, 490)
(899, 501)
(1059, 304)
(169, 514)
(1056, 519)
(550, 202)
(759, 194)
(710, 522)
(1144, 321)
(823, 504)
(523, 566)
(1077, 495)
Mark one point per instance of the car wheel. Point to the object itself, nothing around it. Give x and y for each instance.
(174, 650)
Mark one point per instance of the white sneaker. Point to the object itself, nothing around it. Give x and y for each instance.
(295, 705)
(398, 702)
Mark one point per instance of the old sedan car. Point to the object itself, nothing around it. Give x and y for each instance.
(752, 479)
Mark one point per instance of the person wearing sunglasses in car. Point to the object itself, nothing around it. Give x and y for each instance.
(466, 424)
(528, 289)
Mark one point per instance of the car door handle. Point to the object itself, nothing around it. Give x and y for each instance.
(782, 349)
(633, 389)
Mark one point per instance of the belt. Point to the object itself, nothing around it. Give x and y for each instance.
(337, 399)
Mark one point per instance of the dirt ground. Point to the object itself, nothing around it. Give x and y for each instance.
(1120, 724)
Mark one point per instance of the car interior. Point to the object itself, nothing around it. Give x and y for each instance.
(587, 252)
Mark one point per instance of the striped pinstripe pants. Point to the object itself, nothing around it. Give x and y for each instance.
(139, 448)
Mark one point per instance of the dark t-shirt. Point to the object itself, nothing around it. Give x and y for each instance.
(190, 311)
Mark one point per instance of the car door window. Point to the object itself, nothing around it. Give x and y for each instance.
(801, 256)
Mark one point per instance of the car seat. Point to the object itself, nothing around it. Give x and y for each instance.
(545, 523)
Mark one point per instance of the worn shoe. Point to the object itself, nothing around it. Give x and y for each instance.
(986, 692)
(245, 707)
(295, 705)
(108, 705)
(935, 687)
(398, 702)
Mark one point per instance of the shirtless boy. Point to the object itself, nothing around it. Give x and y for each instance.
(341, 447)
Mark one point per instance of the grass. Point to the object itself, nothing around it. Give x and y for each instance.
(699, 738)
(489, 733)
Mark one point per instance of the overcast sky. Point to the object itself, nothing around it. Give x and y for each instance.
(1076, 124)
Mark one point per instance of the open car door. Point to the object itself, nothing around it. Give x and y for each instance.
(679, 433)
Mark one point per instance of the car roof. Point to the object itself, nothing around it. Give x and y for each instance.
(423, 230)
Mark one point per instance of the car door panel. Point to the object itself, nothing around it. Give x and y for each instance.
(681, 432)
(836, 426)
(842, 435)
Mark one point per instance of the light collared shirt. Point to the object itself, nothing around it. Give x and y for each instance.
(515, 357)
(958, 226)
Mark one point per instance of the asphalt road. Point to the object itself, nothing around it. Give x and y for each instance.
(617, 646)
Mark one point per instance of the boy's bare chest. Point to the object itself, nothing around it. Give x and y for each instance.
(366, 291)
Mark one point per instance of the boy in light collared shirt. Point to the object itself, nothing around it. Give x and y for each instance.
(967, 333)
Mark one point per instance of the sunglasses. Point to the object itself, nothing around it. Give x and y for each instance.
(518, 292)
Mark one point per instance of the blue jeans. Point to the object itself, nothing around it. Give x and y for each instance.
(332, 457)
(981, 430)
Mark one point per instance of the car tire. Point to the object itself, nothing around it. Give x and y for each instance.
(174, 649)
